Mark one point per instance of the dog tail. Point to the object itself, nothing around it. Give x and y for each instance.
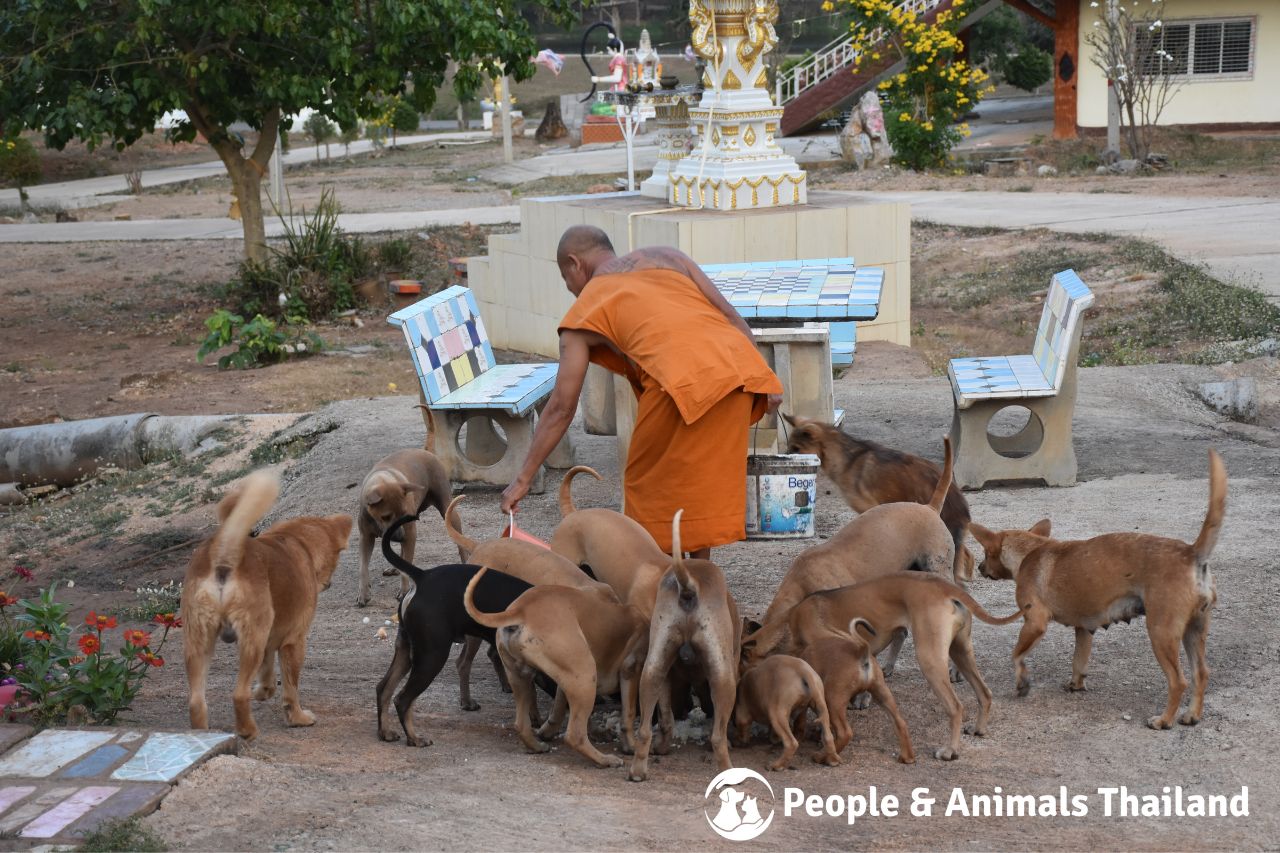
(238, 512)
(463, 541)
(688, 588)
(944, 482)
(488, 620)
(964, 599)
(415, 574)
(430, 444)
(1217, 509)
(566, 488)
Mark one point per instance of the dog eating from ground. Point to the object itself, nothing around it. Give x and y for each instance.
(585, 641)
(847, 668)
(869, 474)
(259, 592)
(1094, 583)
(779, 691)
(693, 606)
(937, 613)
(394, 488)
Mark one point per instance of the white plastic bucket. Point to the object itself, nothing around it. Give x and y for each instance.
(782, 496)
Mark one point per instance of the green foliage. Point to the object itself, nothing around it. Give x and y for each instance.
(404, 116)
(918, 144)
(1006, 32)
(259, 342)
(394, 254)
(83, 681)
(19, 163)
(319, 130)
(1030, 69)
(121, 835)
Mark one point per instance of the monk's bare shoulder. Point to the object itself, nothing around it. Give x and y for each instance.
(648, 258)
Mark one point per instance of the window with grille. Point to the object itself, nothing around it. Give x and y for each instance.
(1196, 49)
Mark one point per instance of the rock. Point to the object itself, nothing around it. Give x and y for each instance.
(1126, 167)
(1126, 716)
(1102, 170)
(1109, 156)
(40, 491)
(1006, 167)
(1046, 171)
(1269, 347)
(1235, 398)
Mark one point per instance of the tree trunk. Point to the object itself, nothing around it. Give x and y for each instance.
(552, 126)
(248, 188)
(245, 172)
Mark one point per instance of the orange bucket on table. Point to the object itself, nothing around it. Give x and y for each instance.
(511, 532)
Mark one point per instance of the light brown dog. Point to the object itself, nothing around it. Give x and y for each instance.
(616, 548)
(586, 642)
(258, 592)
(1116, 577)
(693, 606)
(847, 667)
(870, 474)
(935, 611)
(883, 540)
(779, 691)
(395, 488)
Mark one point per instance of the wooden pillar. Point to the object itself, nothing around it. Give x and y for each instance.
(1066, 67)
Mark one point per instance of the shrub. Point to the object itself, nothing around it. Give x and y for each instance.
(394, 254)
(1030, 69)
(19, 163)
(122, 834)
(258, 342)
(319, 130)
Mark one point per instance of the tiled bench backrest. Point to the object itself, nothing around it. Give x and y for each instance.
(1063, 307)
(448, 340)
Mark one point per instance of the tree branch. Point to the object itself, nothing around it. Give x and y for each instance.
(266, 138)
(1032, 12)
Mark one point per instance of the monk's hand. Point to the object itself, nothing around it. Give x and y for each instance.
(512, 494)
(775, 400)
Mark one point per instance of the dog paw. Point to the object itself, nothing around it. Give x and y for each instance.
(414, 740)
(263, 693)
(537, 747)
(888, 670)
(954, 674)
(1024, 686)
(389, 737)
(610, 761)
(1188, 719)
(972, 729)
(862, 701)
(830, 759)
(945, 753)
(470, 705)
(248, 732)
(546, 732)
(302, 718)
(907, 758)
(637, 774)
(362, 601)
(1072, 687)
(1159, 723)
(390, 571)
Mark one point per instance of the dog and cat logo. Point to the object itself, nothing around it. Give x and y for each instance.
(734, 800)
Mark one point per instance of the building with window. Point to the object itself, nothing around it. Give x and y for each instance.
(1224, 56)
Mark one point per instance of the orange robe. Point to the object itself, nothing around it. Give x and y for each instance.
(700, 385)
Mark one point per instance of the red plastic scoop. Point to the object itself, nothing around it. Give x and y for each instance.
(511, 532)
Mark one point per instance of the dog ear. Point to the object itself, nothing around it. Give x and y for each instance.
(986, 538)
(373, 497)
(415, 493)
(859, 622)
(1042, 527)
(341, 527)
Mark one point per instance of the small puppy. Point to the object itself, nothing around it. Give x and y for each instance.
(847, 667)
(935, 611)
(258, 592)
(394, 488)
(870, 474)
(693, 606)
(1094, 583)
(779, 691)
(585, 641)
(885, 539)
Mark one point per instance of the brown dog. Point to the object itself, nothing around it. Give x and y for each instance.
(589, 644)
(847, 667)
(885, 539)
(935, 611)
(870, 474)
(394, 488)
(259, 592)
(693, 606)
(1115, 577)
(779, 691)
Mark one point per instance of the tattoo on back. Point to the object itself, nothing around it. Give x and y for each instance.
(642, 259)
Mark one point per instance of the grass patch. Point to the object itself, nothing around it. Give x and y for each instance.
(563, 185)
(125, 834)
(1188, 152)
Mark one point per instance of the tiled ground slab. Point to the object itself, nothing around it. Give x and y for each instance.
(61, 783)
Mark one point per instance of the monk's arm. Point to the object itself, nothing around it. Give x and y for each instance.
(554, 419)
(713, 294)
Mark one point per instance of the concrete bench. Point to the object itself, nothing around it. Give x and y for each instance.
(464, 386)
(1043, 382)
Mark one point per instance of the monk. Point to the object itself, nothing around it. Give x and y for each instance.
(653, 317)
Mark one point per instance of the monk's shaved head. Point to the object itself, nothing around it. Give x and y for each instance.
(582, 240)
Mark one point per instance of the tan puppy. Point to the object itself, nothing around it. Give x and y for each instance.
(847, 667)
(617, 549)
(589, 644)
(870, 474)
(259, 592)
(885, 539)
(394, 488)
(936, 612)
(779, 691)
(693, 606)
(1097, 582)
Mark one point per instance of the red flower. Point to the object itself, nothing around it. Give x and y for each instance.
(137, 639)
(24, 573)
(6, 599)
(90, 644)
(169, 620)
(150, 659)
(102, 623)
(39, 636)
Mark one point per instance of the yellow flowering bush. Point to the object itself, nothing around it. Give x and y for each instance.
(936, 89)
(19, 163)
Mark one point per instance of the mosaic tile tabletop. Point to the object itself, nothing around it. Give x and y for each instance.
(61, 783)
(454, 359)
(813, 289)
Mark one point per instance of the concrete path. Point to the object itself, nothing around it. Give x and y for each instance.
(57, 785)
(1238, 238)
(109, 188)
